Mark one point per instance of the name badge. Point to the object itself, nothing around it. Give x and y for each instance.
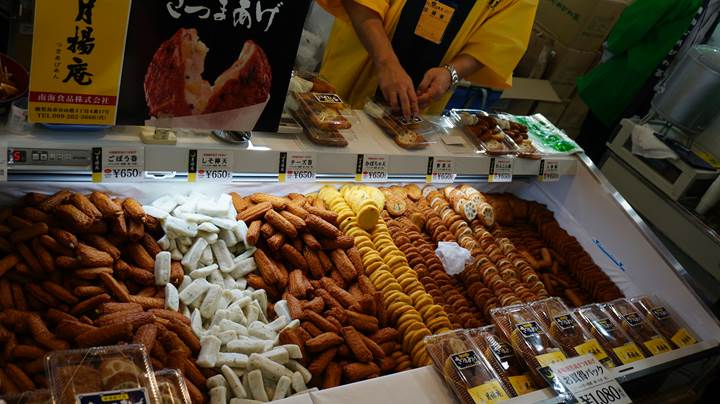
(434, 20)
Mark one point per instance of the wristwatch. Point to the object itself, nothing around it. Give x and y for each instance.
(454, 77)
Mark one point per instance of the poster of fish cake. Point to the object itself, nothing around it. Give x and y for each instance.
(209, 64)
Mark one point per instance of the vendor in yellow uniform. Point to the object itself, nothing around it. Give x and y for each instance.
(414, 51)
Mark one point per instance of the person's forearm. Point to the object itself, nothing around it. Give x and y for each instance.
(465, 65)
(371, 31)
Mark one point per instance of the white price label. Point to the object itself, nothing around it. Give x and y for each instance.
(371, 168)
(118, 164)
(210, 166)
(549, 171)
(3, 162)
(589, 381)
(501, 169)
(440, 171)
(297, 167)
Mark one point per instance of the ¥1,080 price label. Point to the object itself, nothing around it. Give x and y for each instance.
(297, 167)
(589, 381)
(118, 164)
(440, 171)
(210, 166)
(501, 169)
(549, 171)
(371, 168)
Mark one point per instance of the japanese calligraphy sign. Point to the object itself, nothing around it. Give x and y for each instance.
(209, 64)
(297, 167)
(589, 381)
(77, 59)
(210, 166)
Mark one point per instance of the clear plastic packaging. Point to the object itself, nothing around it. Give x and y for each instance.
(464, 369)
(331, 137)
(82, 376)
(483, 129)
(638, 327)
(611, 337)
(501, 357)
(573, 337)
(172, 387)
(408, 134)
(324, 111)
(519, 135)
(545, 136)
(529, 339)
(28, 397)
(318, 84)
(669, 324)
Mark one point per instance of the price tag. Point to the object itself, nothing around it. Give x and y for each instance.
(549, 171)
(501, 169)
(589, 381)
(682, 338)
(440, 171)
(3, 162)
(297, 167)
(118, 164)
(593, 347)
(129, 396)
(657, 346)
(522, 384)
(371, 168)
(210, 166)
(628, 353)
(489, 392)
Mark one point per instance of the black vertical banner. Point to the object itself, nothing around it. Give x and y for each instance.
(431, 163)
(97, 160)
(192, 161)
(542, 168)
(282, 166)
(492, 166)
(359, 166)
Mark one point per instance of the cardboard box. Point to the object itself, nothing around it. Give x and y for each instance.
(553, 111)
(567, 65)
(524, 95)
(538, 56)
(580, 24)
(574, 115)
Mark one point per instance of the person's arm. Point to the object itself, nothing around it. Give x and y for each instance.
(394, 82)
(437, 81)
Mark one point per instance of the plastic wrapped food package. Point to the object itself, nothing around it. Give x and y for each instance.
(519, 135)
(483, 129)
(410, 133)
(324, 137)
(172, 387)
(310, 82)
(324, 110)
(464, 369)
(529, 338)
(80, 373)
(28, 397)
(573, 337)
(669, 324)
(545, 136)
(637, 327)
(501, 357)
(612, 338)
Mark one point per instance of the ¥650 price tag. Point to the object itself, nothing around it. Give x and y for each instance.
(118, 164)
(371, 168)
(501, 169)
(549, 171)
(440, 171)
(210, 166)
(589, 381)
(297, 167)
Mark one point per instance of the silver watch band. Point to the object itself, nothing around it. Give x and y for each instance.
(454, 77)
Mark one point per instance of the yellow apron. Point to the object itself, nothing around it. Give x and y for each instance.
(495, 36)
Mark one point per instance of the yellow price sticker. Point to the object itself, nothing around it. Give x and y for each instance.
(629, 353)
(548, 358)
(657, 346)
(592, 347)
(682, 338)
(521, 384)
(490, 392)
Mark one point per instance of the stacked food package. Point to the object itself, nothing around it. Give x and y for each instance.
(232, 298)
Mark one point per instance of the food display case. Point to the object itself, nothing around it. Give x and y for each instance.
(582, 201)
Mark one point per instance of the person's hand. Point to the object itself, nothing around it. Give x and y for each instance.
(435, 84)
(397, 88)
